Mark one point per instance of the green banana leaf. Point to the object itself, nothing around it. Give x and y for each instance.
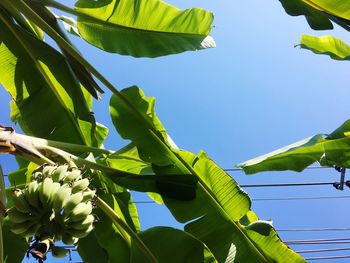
(143, 28)
(331, 150)
(38, 77)
(316, 19)
(327, 45)
(109, 238)
(338, 8)
(163, 241)
(15, 246)
(214, 215)
(319, 14)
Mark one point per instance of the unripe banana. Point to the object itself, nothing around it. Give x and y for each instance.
(44, 189)
(72, 202)
(82, 224)
(20, 201)
(20, 228)
(80, 212)
(59, 252)
(60, 173)
(31, 231)
(61, 197)
(47, 170)
(68, 239)
(56, 203)
(54, 188)
(80, 185)
(88, 195)
(17, 216)
(32, 195)
(73, 175)
(80, 233)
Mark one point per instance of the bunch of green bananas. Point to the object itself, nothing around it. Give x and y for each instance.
(56, 203)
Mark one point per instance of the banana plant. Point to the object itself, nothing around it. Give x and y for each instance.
(62, 161)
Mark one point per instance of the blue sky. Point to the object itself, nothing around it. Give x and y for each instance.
(252, 94)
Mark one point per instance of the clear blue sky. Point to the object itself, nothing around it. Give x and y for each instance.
(252, 94)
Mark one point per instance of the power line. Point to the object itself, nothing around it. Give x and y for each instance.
(273, 199)
(307, 168)
(287, 184)
(325, 258)
(301, 198)
(241, 170)
(312, 229)
(317, 240)
(319, 243)
(321, 250)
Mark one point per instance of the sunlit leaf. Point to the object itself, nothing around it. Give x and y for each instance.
(146, 28)
(330, 150)
(326, 45)
(213, 216)
(339, 8)
(38, 77)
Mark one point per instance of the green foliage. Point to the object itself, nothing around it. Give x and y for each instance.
(131, 27)
(48, 83)
(315, 18)
(330, 150)
(327, 45)
(220, 226)
(217, 223)
(320, 15)
(163, 240)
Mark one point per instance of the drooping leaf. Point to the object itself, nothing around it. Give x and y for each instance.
(162, 241)
(79, 70)
(213, 216)
(326, 45)
(90, 250)
(333, 150)
(15, 246)
(319, 14)
(146, 28)
(113, 240)
(113, 243)
(315, 18)
(337, 8)
(38, 77)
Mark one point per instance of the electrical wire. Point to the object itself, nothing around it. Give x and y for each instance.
(301, 198)
(317, 240)
(307, 168)
(325, 258)
(288, 184)
(273, 199)
(322, 250)
(312, 229)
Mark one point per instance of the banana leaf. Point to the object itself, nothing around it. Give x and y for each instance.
(162, 241)
(47, 99)
(319, 14)
(316, 19)
(330, 150)
(326, 45)
(146, 28)
(214, 215)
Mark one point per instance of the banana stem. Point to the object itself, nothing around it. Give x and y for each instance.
(2, 203)
(119, 223)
